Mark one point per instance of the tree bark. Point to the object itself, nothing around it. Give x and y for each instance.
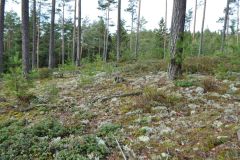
(51, 63)
(63, 29)
(2, 8)
(25, 37)
(74, 33)
(165, 36)
(202, 29)
(78, 61)
(177, 32)
(195, 18)
(38, 35)
(119, 31)
(138, 28)
(225, 26)
(34, 40)
(237, 22)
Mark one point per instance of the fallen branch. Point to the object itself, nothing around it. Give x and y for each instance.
(121, 150)
(103, 99)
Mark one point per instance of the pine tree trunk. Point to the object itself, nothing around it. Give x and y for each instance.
(177, 32)
(63, 28)
(2, 8)
(195, 18)
(237, 22)
(38, 35)
(138, 28)
(25, 37)
(51, 63)
(74, 33)
(202, 30)
(34, 40)
(119, 31)
(79, 35)
(165, 36)
(225, 26)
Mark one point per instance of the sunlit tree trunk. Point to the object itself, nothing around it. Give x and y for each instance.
(63, 28)
(74, 33)
(202, 29)
(2, 7)
(225, 26)
(195, 18)
(52, 37)
(119, 31)
(78, 63)
(34, 40)
(25, 37)
(165, 36)
(138, 30)
(177, 32)
(238, 22)
(39, 30)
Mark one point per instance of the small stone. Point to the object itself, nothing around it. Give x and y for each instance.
(164, 155)
(217, 124)
(144, 138)
(238, 134)
(193, 112)
(199, 90)
(231, 119)
(42, 113)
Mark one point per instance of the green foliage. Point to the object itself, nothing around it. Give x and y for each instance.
(108, 129)
(19, 140)
(17, 85)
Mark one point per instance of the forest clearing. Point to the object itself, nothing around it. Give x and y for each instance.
(72, 89)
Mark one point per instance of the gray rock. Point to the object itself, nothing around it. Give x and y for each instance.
(144, 138)
(238, 134)
(231, 119)
(232, 89)
(199, 90)
(217, 124)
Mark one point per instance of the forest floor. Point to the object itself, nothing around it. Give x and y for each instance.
(134, 112)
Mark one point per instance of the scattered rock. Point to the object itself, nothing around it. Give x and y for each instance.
(232, 89)
(231, 119)
(199, 90)
(238, 134)
(144, 138)
(217, 124)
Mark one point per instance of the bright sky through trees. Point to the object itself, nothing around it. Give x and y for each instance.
(152, 11)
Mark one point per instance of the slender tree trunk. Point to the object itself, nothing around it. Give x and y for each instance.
(119, 32)
(2, 8)
(138, 28)
(195, 18)
(34, 43)
(78, 63)
(225, 26)
(63, 29)
(131, 37)
(51, 63)
(74, 33)
(38, 36)
(202, 30)
(107, 34)
(165, 36)
(177, 32)
(25, 37)
(237, 22)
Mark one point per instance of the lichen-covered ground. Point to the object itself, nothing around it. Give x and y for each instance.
(85, 116)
